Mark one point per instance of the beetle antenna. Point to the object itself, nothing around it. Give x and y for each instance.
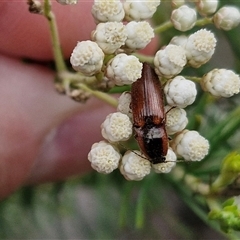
(142, 156)
(134, 152)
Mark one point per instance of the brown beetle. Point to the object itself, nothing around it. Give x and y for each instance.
(148, 115)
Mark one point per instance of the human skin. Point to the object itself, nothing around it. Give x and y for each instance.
(44, 136)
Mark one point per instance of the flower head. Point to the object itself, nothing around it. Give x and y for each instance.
(87, 57)
(227, 18)
(176, 119)
(190, 145)
(183, 18)
(124, 102)
(124, 69)
(180, 92)
(170, 60)
(221, 83)
(140, 9)
(139, 34)
(110, 36)
(168, 165)
(200, 47)
(179, 40)
(134, 167)
(108, 11)
(117, 127)
(104, 157)
(206, 7)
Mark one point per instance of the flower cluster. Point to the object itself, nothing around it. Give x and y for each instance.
(122, 29)
(112, 36)
(228, 215)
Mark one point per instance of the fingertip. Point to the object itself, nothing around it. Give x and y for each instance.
(30, 110)
(65, 149)
(31, 38)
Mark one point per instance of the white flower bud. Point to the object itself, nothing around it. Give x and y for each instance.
(170, 61)
(227, 18)
(179, 40)
(104, 157)
(134, 167)
(177, 3)
(183, 18)
(87, 58)
(140, 9)
(108, 11)
(190, 145)
(221, 83)
(180, 92)
(117, 127)
(200, 47)
(207, 7)
(139, 34)
(176, 119)
(168, 165)
(124, 102)
(67, 2)
(124, 69)
(110, 36)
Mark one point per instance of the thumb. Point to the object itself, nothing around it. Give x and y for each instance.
(30, 108)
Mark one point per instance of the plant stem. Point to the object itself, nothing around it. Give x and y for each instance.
(77, 77)
(194, 79)
(163, 27)
(167, 25)
(58, 56)
(144, 58)
(101, 95)
(203, 21)
(212, 204)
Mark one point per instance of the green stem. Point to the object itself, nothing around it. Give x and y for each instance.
(141, 203)
(163, 27)
(203, 21)
(124, 206)
(194, 79)
(218, 185)
(77, 77)
(144, 58)
(140, 213)
(167, 25)
(103, 96)
(58, 56)
(212, 204)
